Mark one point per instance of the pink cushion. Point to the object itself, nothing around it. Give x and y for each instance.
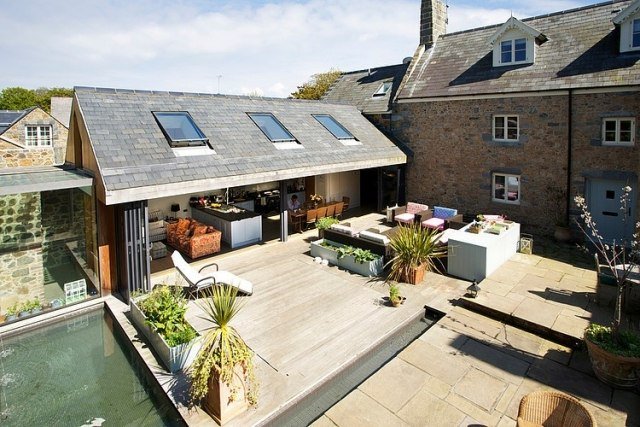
(435, 223)
(414, 208)
(405, 217)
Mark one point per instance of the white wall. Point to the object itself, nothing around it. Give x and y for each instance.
(336, 185)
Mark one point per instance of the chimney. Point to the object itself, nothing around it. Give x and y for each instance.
(433, 21)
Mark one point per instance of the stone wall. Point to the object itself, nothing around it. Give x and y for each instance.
(455, 156)
(34, 156)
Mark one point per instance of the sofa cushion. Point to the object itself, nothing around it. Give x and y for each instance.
(344, 229)
(405, 217)
(200, 229)
(444, 213)
(374, 237)
(183, 226)
(434, 223)
(414, 208)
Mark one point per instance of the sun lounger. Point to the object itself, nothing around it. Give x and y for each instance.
(199, 281)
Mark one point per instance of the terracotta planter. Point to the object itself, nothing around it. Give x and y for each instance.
(562, 234)
(223, 402)
(398, 302)
(415, 275)
(617, 371)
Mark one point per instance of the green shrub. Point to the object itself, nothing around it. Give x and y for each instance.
(628, 344)
(165, 308)
(326, 222)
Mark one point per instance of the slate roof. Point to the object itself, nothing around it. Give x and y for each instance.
(9, 117)
(136, 162)
(581, 52)
(61, 109)
(357, 88)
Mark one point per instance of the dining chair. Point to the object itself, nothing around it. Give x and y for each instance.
(346, 201)
(331, 210)
(322, 212)
(339, 210)
(312, 214)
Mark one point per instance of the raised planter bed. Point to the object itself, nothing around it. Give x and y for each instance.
(325, 253)
(367, 268)
(174, 358)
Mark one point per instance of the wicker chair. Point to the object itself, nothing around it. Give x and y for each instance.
(552, 408)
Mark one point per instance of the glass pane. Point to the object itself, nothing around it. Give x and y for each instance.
(505, 49)
(610, 125)
(499, 133)
(520, 50)
(636, 39)
(625, 125)
(333, 126)
(512, 122)
(625, 136)
(498, 186)
(610, 136)
(513, 188)
(499, 121)
(271, 127)
(179, 126)
(512, 133)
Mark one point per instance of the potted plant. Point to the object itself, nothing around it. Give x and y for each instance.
(324, 224)
(24, 309)
(160, 316)
(35, 306)
(415, 251)
(325, 249)
(12, 312)
(394, 295)
(222, 376)
(562, 232)
(614, 353)
(316, 199)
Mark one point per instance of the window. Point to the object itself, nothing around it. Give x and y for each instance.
(383, 89)
(513, 51)
(272, 128)
(618, 131)
(506, 188)
(333, 126)
(635, 36)
(38, 136)
(505, 128)
(180, 129)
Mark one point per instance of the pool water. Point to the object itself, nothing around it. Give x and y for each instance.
(78, 372)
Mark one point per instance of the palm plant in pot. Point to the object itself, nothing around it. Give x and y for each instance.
(416, 250)
(222, 376)
(614, 352)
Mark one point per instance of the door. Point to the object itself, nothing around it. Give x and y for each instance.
(134, 248)
(603, 200)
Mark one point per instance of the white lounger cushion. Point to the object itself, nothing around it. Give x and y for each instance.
(343, 229)
(192, 276)
(374, 237)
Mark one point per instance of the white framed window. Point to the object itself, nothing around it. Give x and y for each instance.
(513, 51)
(618, 131)
(506, 128)
(505, 188)
(38, 136)
(635, 33)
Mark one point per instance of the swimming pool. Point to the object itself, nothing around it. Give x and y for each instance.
(78, 372)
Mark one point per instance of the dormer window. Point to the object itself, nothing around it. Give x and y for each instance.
(513, 51)
(514, 43)
(629, 22)
(383, 89)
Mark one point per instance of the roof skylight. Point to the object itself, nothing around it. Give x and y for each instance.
(333, 126)
(271, 127)
(180, 129)
(383, 89)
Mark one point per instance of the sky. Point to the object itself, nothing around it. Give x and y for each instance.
(258, 47)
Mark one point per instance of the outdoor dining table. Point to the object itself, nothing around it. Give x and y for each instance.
(297, 217)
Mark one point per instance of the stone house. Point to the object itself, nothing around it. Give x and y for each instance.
(519, 118)
(30, 138)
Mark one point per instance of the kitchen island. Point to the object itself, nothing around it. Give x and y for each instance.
(239, 227)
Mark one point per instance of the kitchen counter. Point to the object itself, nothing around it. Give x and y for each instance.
(239, 227)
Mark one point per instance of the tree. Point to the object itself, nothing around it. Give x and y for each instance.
(317, 85)
(19, 98)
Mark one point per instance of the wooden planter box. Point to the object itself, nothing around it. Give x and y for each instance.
(174, 358)
(325, 253)
(367, 269)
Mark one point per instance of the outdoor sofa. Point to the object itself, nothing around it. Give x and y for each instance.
(376, 242)
(193, 238)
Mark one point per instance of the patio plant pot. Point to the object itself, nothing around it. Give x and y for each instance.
(224, 402)
(617, 371)
(325, 253)
(174, 358)
(415, 275)
(367, 268)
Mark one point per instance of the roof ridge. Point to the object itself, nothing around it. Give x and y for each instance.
(371, 68)
(545, 15)
(179, 93)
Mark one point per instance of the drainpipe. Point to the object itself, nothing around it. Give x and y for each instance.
(569, 147)
(284, 213)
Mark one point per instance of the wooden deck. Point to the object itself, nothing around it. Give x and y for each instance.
(306, 321)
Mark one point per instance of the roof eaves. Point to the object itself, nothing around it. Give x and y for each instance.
(626, 13)
(514, 23)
